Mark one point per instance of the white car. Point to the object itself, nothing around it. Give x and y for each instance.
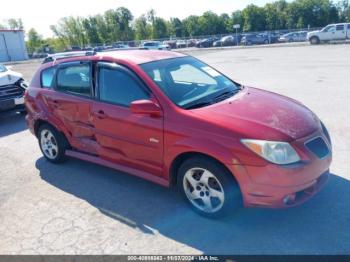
(330, 33)
(12, 87)
(154, 45)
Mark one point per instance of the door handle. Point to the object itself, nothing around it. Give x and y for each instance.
(55, 103)
(100, 114)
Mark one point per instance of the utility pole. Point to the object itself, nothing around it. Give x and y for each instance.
(237, 26)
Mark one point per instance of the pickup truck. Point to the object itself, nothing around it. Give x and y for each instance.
(332, 32)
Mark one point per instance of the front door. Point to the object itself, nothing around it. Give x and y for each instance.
(125, 138)
(328, 33)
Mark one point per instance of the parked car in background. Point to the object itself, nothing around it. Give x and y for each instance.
(170, 43)
(99, 48)
(259, 39)
(331, 32)
(299, 36)
(154, 45)
(174, 120)
(181, 44)
(191, 42)
(12, 87)
(228, 41)
(119, 45)
(207, 42)
(38, 54)
(255, 39)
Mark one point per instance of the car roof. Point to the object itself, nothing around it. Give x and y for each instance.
(131, 56)
(141, 56)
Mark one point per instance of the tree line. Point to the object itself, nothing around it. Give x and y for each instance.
(120, 25)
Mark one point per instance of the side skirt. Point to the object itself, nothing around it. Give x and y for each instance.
(129, 170)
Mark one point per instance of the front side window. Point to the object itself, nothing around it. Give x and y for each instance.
(47, 77)
(190, 83)
(330, 28)
(75, 79)
(117, 86)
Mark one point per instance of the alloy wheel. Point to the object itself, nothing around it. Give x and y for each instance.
(48, 144)
(203, 190)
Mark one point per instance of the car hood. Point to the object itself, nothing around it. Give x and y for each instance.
(260, 114)
(9, 77)
(313, 32)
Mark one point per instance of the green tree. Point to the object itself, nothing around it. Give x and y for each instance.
(15, 24)
(34, 40)
(254, 18)
(159, 28)
(124, 18)
(191, 26)
(176, 27)
(344, 10)
(91, 30)
(210, 24)
(142, 28)
(237, 19)
(275, 15)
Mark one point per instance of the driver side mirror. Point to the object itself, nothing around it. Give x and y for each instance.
(146, 107)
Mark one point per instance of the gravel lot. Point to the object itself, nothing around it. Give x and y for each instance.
(82, 208)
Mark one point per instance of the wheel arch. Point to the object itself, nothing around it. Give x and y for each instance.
(39, 122)
(182, 157)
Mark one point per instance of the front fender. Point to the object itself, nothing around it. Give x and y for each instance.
(198, 145)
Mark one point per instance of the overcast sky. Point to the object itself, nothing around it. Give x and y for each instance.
(40, 14)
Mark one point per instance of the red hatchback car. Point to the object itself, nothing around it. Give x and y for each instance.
(174, 120)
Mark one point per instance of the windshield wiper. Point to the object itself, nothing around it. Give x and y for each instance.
(216, 99)
(198, 104)
(224, 95)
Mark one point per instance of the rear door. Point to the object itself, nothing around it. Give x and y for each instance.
(125, 138)
(70, 102)
(340, 32)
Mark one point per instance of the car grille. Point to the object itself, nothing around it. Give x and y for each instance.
(318, 147)
(10, 91)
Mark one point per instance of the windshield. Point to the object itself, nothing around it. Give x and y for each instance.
(190, 83)
(328, 28)
(2, 68)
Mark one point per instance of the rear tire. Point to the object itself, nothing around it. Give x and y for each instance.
(208, 187)
(52, 143)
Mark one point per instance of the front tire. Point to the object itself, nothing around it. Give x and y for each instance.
(314, 40)
(52, 143)
(208, 187)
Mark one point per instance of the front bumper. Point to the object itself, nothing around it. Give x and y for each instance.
(12, 103)
(277, 186)
(283, 197)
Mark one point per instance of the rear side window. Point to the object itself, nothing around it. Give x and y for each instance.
(340, 27)
(75, 79)
(47, 77)
(118, 87)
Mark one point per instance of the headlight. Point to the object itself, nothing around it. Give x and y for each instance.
(280, 153)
